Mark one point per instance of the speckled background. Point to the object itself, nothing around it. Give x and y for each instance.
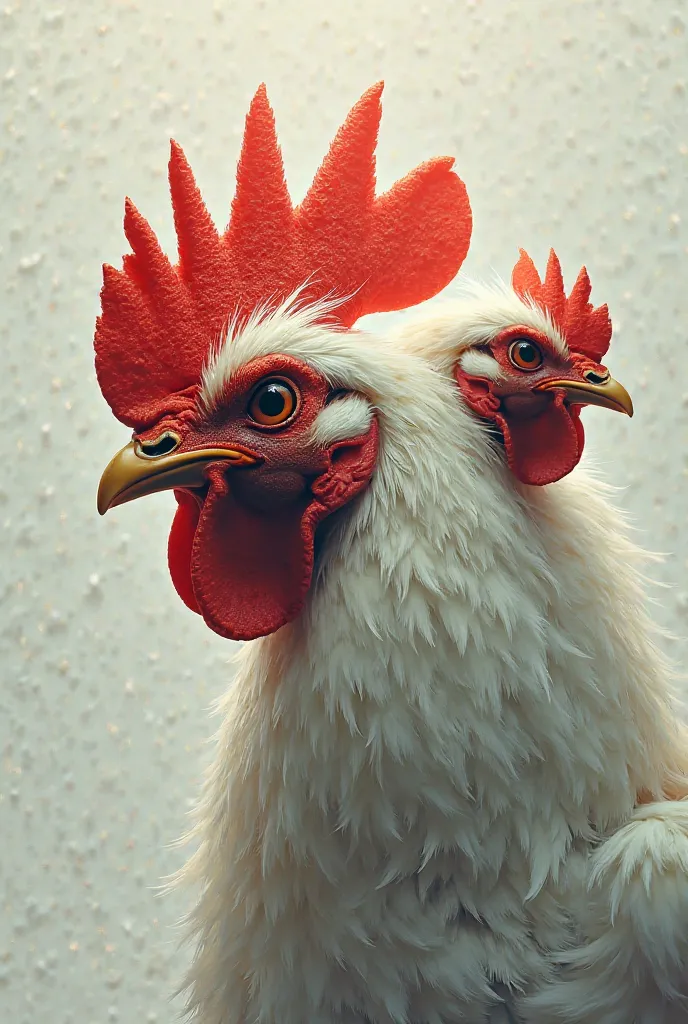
(569, 122)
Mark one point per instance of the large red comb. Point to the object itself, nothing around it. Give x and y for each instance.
(383, 253)
(587, 330)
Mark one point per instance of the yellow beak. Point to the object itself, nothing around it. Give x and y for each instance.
(133, 474)
(609, 394)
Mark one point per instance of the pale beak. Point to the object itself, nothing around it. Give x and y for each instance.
(132, 474)
(609, 393)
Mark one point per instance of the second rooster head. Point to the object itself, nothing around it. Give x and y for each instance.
(527, 359)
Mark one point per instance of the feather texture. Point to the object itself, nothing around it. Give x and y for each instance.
(410, 779)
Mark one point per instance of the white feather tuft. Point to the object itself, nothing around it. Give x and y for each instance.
(481, 364)
(344, 418)
(634, 915)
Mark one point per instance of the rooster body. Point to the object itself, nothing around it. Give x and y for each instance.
(410, 777)
(442, 783)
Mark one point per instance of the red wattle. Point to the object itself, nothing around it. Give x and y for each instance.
(179, 547)
(250, 571)
(543, 448)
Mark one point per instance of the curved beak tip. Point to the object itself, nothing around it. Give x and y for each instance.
(609, 395)
(129, 476)
(102, 504)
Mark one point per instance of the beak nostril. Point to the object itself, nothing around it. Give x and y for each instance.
(596, 378)
(131, 474)
(155, 449)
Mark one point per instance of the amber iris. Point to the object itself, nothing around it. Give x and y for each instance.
(273, 403)
(525, 354)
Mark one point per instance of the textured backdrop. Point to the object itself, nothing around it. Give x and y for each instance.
(569, 124)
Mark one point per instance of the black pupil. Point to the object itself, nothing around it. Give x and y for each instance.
(272, 400)
(527, 352)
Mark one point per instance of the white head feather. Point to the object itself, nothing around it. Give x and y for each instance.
(462, 703)
(470, 322)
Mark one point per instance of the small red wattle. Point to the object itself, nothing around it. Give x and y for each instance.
(248, 572)
(541, 448)
(544, 448)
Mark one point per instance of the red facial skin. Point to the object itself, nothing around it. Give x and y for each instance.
(542, 432)
(241, 552)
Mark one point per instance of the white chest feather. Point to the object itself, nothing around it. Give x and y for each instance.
(408, 778)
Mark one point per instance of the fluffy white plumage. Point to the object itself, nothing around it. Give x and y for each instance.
(422, 807)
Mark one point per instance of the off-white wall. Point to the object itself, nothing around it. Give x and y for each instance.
(569, 125)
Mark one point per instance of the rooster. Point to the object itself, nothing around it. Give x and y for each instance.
(449, 778)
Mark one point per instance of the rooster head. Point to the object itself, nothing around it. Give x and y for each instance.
(236, 367)
(530, 359)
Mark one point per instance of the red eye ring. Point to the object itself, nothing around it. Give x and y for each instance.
(525, 354)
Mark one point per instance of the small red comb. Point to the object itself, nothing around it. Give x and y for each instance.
(383, 253)
(587, 330)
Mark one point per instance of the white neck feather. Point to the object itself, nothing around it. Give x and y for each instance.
(452, 656)
(448, 707)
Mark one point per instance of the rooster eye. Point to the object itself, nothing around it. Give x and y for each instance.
(273, 403)
(525, 354)
(163, 445)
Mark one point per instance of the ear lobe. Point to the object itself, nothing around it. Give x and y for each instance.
(351, 466)
(477, 394)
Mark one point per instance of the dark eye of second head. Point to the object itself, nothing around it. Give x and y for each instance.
(273, 402)
(525, 354)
